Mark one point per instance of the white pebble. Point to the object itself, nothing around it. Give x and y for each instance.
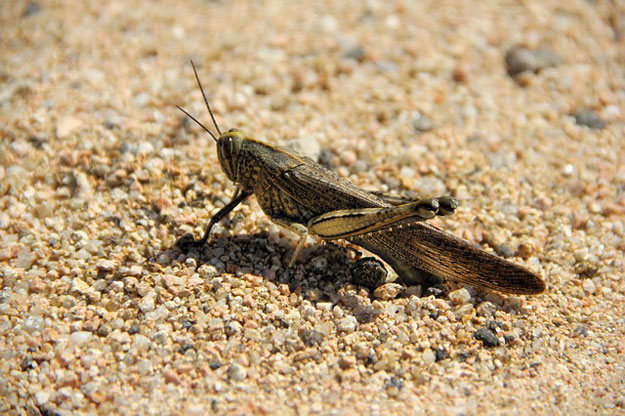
(428, 356)
(236, 372)
(589, 286)
(147, 304)
(460, 296)
(80, 337)
(348, 324)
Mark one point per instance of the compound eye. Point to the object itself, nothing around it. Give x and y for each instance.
(232, 130)
(229, 145)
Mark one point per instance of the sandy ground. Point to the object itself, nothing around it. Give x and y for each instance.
(100, 174)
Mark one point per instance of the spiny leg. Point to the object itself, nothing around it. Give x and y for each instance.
(298, 229)
(353, 222)
(448, 204)
(239, 196)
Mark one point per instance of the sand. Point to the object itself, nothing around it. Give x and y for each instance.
(100, 174)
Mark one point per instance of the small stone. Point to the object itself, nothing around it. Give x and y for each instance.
(369, 272)
(486, 309)
(79, 286)
(430, 185)
(388, 291)
(172, 377)
(319, 263)
(31, 9)
(428, 356)
(66, 126)
(141, 342)
(147, 304)
(348, 324)
(487, 337)
(310, 337)
(106, 265)
(42, 397)
(589, 118)
(441, 354)
(24, 259)
(236, 372)
(589, 286)
(80, 337)
(519, 59)
(347, 361)
(144, 367)
(420, 122)
(308, 146)
(32, 324)
(460, 296)
(463, 310)
(232, 328)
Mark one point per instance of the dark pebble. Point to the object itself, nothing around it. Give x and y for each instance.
(326, 159)
(581, 331)
(519, 59)
(214, 364)
(487, 337)
(134, 328)
(27, 364)
(589, 118)
(31, 9)
(440, 354)
(395, 382)
(506, 250)
(186, 324)
(356, 53)
(369, 272)
(310, 337)
(184, 348)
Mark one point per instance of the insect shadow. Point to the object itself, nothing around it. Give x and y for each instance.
(320, 275)
(257, 254)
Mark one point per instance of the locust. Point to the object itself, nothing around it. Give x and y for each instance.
(296, 192)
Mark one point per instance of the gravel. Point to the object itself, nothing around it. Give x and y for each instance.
(100, 311)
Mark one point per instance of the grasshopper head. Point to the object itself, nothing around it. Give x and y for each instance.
(228, 148)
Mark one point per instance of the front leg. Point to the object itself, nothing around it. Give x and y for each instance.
(354, 222)
(239, 196)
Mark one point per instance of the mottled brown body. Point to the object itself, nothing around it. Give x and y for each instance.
(294, 188)
(297, 192)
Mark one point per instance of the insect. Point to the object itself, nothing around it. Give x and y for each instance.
(298, 193)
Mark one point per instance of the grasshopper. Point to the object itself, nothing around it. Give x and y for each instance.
(298, 193)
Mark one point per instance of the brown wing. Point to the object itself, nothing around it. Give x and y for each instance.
(428, 248)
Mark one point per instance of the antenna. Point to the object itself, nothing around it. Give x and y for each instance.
(204, 95)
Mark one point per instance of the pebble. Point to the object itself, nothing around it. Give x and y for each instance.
(388, 291)
(66, 126)
(589, 118)
(519, 59)
(487, 337)
(430, 186)
(310, 337)
(589, 286)
(460, 296)
(147, 304)
(236, 372)
(420, 122)
(428, 356)
(25, 258)
(308, 146)
(348, 324)
(80, 337)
